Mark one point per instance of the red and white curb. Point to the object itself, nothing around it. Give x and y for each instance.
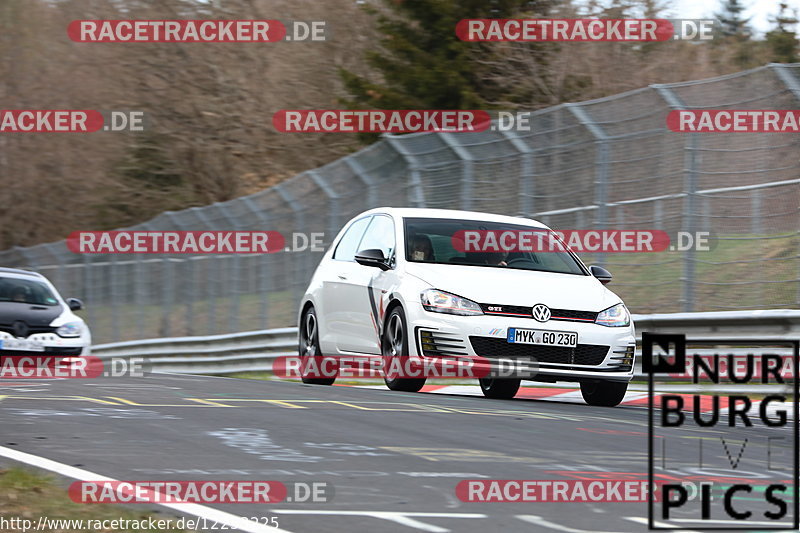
(633, 398)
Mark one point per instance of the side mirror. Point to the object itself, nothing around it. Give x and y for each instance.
(372, 258)
(603, 275)
(74, 304)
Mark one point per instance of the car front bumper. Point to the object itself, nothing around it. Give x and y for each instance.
(603, 353)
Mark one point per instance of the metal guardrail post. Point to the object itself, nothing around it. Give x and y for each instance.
(601, 170)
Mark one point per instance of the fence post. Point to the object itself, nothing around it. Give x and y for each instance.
(416, 195)
(755, 207)
(601, 171)
(690, 201)
(467, 168)
(788, 79)
(358, 169)
(264, 285)
(236, 261)
(87, 287)
(658, 214)
(299, 275)
(527, 178)
(187, 296)
(333, 200)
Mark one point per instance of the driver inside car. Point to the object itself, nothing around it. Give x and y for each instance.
(421, 248)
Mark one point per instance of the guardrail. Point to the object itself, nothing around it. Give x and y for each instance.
(255, 350)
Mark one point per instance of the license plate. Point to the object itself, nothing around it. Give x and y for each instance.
(24, 345)
(567, 339)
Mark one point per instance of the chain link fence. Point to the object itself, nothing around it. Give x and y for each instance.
(607, 163)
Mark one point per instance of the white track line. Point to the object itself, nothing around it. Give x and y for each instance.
(194, 509)
(399, 517)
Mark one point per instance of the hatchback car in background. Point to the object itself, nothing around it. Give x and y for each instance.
(401, 283)
(35, 319)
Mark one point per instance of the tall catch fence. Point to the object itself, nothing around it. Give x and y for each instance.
(603, 164)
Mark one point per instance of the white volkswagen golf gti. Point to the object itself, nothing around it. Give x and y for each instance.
(402, 283)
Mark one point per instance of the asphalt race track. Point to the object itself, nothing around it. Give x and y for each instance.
(392, 458)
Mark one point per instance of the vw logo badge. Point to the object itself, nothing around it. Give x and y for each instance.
(541, 313)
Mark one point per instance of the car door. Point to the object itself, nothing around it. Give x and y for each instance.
(362, 291)
(334, 284)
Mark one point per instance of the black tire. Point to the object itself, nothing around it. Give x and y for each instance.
(309, 349)
(603, 393)
(499, 389)
(394, 343)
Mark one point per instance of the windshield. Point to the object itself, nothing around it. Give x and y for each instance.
(487, 244)
(26, 291)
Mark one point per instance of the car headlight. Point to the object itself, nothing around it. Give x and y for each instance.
(443, 302)
(70, 329)
(615, 316)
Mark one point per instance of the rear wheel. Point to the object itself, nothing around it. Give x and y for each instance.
(311, 359)
(394, 349)
(499, 389)
(603, 393)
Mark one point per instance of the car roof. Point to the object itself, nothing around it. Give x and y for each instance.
(416, 212)
(20, 272)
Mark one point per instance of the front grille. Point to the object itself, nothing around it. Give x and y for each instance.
(32, 330)
(48, 350)
(521, 311)
(570, 314)
(434, 343)
(583, 354)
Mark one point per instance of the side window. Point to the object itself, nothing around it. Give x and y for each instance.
(346, 249)
(380, 235)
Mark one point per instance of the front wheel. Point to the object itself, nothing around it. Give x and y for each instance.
(499, 389)
(311, 359)
(603, 393)
(394, 349)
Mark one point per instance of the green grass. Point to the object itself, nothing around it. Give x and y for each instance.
(652, 283)
(27, 495)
